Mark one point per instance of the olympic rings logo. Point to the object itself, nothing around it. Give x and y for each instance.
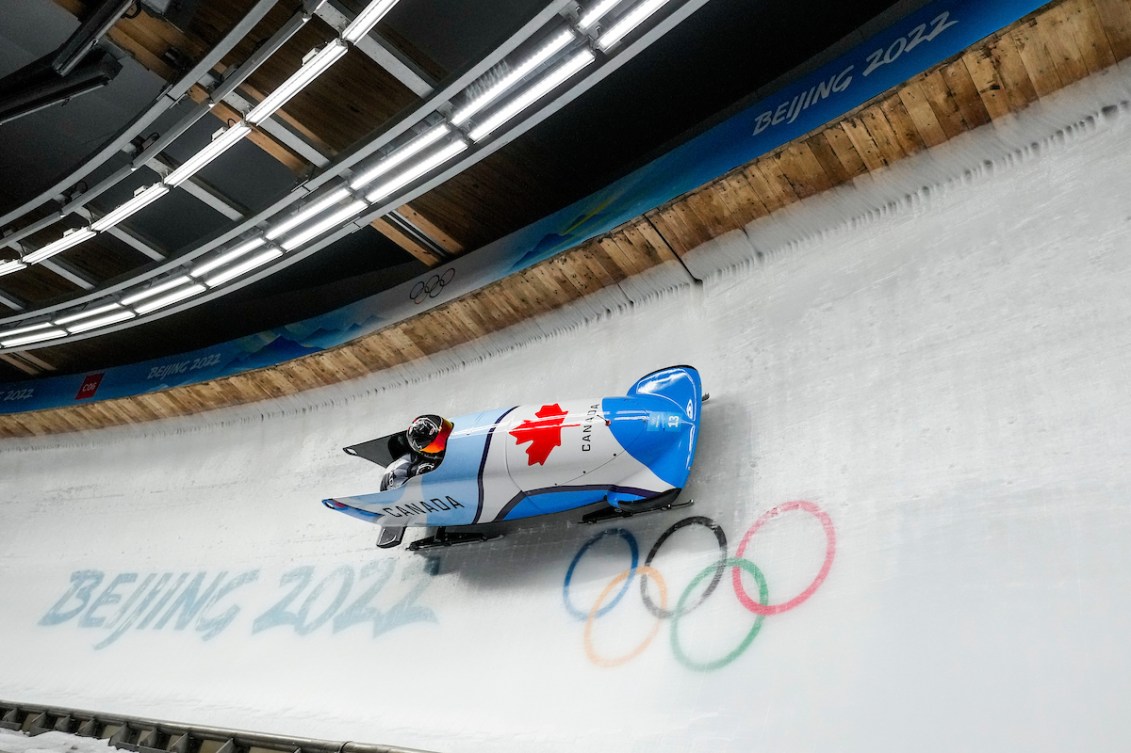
(760, 606)
(430, 288)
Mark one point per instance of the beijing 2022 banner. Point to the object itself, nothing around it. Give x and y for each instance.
(908, 47)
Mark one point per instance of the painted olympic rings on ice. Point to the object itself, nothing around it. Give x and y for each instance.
(430, 288)
(646, 572)
(738, 564)
(719, 569)
(830, 552)
(763, 592)
(633, 549)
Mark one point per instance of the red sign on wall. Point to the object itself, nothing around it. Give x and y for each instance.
(89, 386)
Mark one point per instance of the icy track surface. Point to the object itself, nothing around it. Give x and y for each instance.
(917, 444)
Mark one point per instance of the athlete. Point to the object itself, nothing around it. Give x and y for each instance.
(427, 438)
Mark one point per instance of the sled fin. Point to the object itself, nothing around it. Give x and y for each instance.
(382, 450)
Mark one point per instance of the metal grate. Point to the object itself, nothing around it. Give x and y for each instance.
(142, 735)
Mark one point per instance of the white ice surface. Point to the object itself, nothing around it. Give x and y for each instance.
(937, 357)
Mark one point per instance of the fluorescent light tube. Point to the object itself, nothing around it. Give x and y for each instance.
(630, 21)
(70, 239)
(551, 48)
(318, 228)
(29, 328)
(531, 95)
(86, 314)
(224, 258)
(50, 334)
(141, 295)
(103, 321)
(367, 19)
(400, 181)
(8, 267)
(310, 210)
(594, 14)
(143, 198)
(170, 299)
(411, 149)
(252, 263)
(219, 145)
(311, 69)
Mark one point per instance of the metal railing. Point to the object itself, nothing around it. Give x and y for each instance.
(141, 735)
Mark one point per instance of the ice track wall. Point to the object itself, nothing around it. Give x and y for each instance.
(915, 458)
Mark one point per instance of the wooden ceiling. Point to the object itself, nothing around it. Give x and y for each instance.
(1064, 42)
(601, 136)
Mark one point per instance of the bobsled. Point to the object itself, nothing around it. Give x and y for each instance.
(617, 456)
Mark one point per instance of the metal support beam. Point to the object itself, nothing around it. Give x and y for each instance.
(136, 243)
(342, 164)
(68, 273)
(162, 103)
(277, 130)
(101, 18)
(133, 241)
(232, 78)
(410, 228)
(12, 302)
(381, 52)
(212, 196)
(203, 190)
(36, 86)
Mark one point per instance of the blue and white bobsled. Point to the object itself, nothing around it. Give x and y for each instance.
(621, 455)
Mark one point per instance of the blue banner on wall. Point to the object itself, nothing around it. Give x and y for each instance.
(906, 48)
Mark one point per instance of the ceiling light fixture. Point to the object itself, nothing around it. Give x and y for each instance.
(252, 263)
(143, 197)
(28, 328)
(318, 228)
(8, 267)
(87, 314)
(594, 14)
(310, 210)
(313, 65)
(529, 96)
(547, 51)
(170, 299)
(416, 171)
(104, 321)
(141, 295)
(70, 239)
(367, 19)
(411, 149)
(50, 334)
(221, 142)
(227, 256)
(630, 21)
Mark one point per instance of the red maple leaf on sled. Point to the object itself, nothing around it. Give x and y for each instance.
(543, 435)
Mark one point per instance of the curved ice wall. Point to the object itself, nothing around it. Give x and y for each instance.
(916, 451)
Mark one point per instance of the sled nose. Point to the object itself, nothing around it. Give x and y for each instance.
(661, 438)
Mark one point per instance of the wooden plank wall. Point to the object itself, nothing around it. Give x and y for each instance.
(1063, 43)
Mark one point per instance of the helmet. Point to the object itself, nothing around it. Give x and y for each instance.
(428, 435)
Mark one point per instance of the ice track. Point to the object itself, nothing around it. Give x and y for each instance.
(917, 445)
